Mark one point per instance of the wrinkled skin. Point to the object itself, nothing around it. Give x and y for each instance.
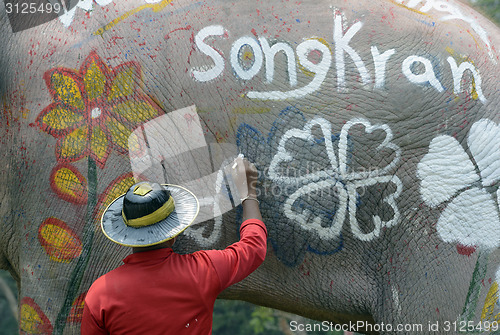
(375, 136)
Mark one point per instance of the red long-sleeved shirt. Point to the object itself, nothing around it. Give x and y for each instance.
(161, 292)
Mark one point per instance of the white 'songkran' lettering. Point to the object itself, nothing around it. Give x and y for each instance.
(417, 69)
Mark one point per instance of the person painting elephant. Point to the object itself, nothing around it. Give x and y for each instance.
(373, 125)
(167, 293)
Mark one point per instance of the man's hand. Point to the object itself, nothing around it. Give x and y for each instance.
(245, 177)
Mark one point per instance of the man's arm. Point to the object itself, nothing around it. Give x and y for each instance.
(89, 324)
(240, 259)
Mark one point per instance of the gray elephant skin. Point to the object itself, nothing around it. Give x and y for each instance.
(374, 125)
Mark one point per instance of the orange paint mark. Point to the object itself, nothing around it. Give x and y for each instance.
(69, 184)
(59, 241)
(33, 320)
(410, 9)
(75, 316)
(248, 56)
(155, 7)
(115, 189)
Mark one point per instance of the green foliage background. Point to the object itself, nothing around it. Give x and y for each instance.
(490, 8)
(242, 318)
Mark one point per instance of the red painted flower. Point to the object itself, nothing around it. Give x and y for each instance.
(95, 109)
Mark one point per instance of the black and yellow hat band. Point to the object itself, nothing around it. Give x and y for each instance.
(158, 215)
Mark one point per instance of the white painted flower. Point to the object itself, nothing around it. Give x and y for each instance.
(338, 177)
(448, 175)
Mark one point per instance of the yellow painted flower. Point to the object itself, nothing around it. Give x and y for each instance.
(95, 109)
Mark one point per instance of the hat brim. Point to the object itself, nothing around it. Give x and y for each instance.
(184, 214)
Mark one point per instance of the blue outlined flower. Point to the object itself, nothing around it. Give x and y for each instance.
(307, 202)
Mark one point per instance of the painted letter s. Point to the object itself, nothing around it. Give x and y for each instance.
(216, 56)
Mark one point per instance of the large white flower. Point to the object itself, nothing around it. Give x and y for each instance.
(466, 184)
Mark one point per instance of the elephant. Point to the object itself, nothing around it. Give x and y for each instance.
(374, 126)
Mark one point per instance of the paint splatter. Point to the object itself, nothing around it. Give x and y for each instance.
(154, 7)
(465, 250)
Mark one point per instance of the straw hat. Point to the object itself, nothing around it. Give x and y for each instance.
(149, 214)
